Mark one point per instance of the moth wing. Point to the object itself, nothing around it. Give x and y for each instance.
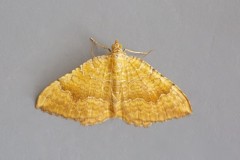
(83, 95)
(149, 96)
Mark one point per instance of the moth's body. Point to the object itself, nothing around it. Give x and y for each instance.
(117, 57)
(115, 85)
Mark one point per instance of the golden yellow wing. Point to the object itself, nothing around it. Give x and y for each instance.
(83, 95)
(147, 96)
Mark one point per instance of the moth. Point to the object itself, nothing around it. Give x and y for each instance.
(114, 85)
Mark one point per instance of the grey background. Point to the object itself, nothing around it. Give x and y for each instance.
(196, 44)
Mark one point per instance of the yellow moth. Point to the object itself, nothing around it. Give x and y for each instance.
(114, 85)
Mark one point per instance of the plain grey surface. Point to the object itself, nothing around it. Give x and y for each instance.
(196, 44)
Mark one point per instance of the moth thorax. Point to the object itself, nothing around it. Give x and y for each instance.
(116, 47)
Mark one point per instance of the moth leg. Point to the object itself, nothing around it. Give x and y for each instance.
(99, 44)
(137, 52)
(91, 52)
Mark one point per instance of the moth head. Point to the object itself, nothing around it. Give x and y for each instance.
(116, 47)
